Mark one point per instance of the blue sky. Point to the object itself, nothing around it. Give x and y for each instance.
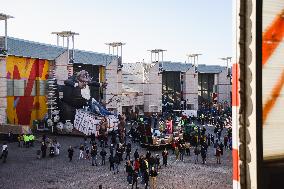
(179, 26)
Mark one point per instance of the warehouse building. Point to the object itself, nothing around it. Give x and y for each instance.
(27, 65)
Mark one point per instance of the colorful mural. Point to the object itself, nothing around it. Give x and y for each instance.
(25, 102)
(273, 79)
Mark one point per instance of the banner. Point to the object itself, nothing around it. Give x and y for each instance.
(88, 123)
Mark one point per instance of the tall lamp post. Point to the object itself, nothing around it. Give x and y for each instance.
(4, 44)
(229, 75)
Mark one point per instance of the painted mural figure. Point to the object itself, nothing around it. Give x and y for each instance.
(76, 95)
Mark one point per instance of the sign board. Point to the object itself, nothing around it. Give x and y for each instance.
(89, 123)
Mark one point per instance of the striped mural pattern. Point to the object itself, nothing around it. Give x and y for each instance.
(273, 78)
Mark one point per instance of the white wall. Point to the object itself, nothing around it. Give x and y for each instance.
(61, 68)
(3, 91)
(190, 87)
(224, 87)
(114, 87)
(132, 88)
(153, 90)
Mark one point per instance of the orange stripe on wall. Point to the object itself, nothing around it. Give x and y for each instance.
(235, 88)
(235, 165)
(272, 37)
(273, 97)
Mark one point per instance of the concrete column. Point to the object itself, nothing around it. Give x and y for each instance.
(3, 91)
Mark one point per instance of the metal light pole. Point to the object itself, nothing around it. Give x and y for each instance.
(5, 17)
(227, 59)
(115, 45)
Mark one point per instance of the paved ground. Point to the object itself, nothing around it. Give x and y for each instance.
(24, 171)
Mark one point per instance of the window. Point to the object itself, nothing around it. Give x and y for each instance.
(18, 87)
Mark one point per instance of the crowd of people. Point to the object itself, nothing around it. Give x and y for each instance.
(140, 168)
(119, 156)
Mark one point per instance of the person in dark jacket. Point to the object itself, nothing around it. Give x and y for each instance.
(129, 171)
(103, 153)
(111, 149)
(136, 154)
(70, 153)
(116, 163)
(203, 154)
(146, 179)
(196, 153)
(128, 151)
(134, 178)
(157, 163)
(143, 168)
(94, 153)
(111, 162)
(151, 162)
(148, 155)
(221, 145)
(165, 154)
(43, 149)
(181, 151)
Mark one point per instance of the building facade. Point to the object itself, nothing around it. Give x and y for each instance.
(27, 66)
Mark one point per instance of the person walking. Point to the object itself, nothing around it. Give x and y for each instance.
(94, 153)
(128, 151)
(148, 155)
(181, 151)
(157, 162)
(137, 166)
(177, 153)
(173, 146)
(196, 153)
(151, 162)
(116, 163)
(103, 153)
(19, 140)
(221, 145)
(57, 147)
(134, 179)
(4, 154)
(111, 162)
(187, 148)
(153, 177)
(87, 150)
(129, 171)
(146, 179)
(51, 149)
(70, 153)
(218, 154)
(165, 154)
(226, 142)
(143, 168)
(111, 149)
(203, 154)
(136, 154)
(81, 155)
(43, 149)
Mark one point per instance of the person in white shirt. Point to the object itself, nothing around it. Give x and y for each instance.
(4, 152)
